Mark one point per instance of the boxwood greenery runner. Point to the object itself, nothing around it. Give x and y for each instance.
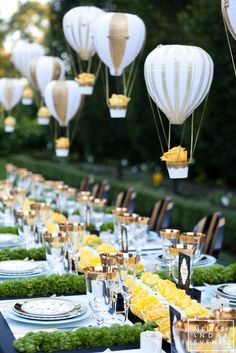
(10, 230)
(84, 337)
(66, 284)
(21, 254)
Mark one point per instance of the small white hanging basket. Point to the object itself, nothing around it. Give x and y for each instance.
(26, 101)
(178, 170)
(9, 128)
(62, 152)
(42, 120)
(86, 89)
(118, 112)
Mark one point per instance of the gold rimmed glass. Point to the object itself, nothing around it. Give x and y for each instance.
(193, 238)
(98, 290)
(55, 250)
(174, 251)
(169, 237)
(127, 267)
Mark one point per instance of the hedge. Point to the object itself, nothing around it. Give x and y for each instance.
(186, 212)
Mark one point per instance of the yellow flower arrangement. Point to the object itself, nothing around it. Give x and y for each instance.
(92, 239)
(27, 93)
(106, 248)
(175, 155)
(58, 218)
(63, 142)
(88, 258)
(43, 112)
(86, 79)
(118, 101)
(10, 121)
(173, 295)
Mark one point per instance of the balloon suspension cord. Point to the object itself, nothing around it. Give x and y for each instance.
(156, 124)
(131, 81)
(229, 45)
(106, 86)
(77, 118)
(73, 67)
(200, 125)
(169, 136)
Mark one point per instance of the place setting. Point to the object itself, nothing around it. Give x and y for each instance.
(21, 268)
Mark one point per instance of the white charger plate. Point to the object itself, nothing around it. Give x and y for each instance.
(227, 290)
(10, 315)
(20, 267)
(48, 306)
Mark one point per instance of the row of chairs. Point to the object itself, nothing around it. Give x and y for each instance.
(212, 226)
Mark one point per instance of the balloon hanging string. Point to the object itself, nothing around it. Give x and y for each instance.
(124, 83)
(89, 65)
(78, 118)
(181, 139)
(230, 48)
(169, 136)
(156, 124)
(162, 125)
(106, 86)
(200, 125)
(129, 76)
(135, 70)
(98, 69)
(73, 67)
(191, 142)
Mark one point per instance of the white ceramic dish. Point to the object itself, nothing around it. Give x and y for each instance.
(48, 306)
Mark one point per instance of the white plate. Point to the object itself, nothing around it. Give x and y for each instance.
(48, 306)
(9, 314)
(19, 267)
(227, 290)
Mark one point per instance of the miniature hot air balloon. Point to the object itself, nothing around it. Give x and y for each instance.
(78, 30)
(178, 79)
(10, 95)
(43, 70)
(23, 53)
(118, 40)
(63, 99)
(228, 8)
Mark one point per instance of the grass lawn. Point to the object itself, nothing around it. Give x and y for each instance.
(2, 168)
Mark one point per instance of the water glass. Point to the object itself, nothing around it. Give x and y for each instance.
(169, 237)
(174, 251)
(193, 238)
(55, 250)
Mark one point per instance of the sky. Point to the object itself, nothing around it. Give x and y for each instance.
(8, 7)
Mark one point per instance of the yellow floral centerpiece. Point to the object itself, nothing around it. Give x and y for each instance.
(118, 105)
(86, 81)
(43, 116)
(9, 124)
(177, 162)
(62, 147)
(27, 96)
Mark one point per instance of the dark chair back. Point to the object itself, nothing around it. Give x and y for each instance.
(86, 184)
(101, 190)
(126, 199)
(160, 215)
(213, 227)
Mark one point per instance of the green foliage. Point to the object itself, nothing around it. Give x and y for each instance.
(84, 337)
(66, 284)
(107, 226)
(214, 274)
(10, 230)
(37, 254)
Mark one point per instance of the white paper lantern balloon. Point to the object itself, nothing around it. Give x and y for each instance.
(44, 70)
(228, 8)
(63, 100)
(78, 29)
(118, 39)
(178, 78)
(23, 53)
(10, 92)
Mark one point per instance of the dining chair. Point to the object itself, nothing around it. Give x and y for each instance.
(160, 214)
(126, 199)
(213, 227)
(86, 184)
(101, 190)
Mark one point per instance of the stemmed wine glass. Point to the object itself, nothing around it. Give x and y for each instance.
(127, 268)
(98, 290)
